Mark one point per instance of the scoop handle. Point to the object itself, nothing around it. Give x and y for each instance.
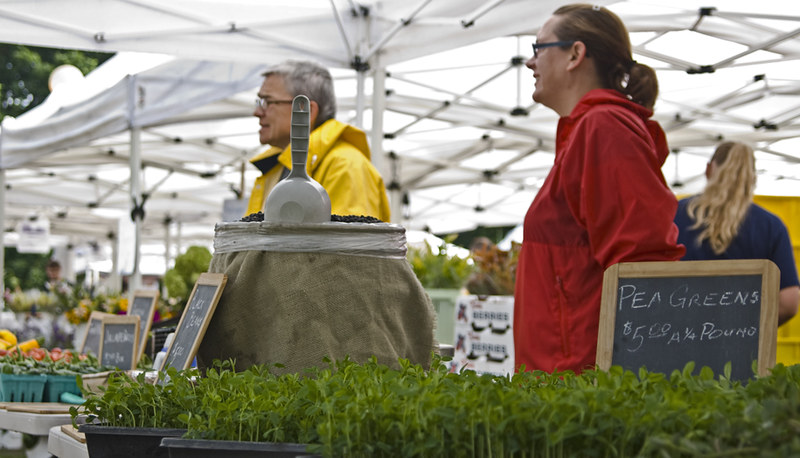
(300, 131)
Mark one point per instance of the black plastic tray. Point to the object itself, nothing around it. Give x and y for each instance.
(201, 448)
(119, 442)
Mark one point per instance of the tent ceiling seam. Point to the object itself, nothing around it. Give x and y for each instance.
(402, 22)
(178, 13)
(47, 23)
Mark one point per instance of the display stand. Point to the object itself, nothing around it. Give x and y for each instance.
(194, 321)
(36, 419)
(144, 306)
(31, 421)
(64, 445)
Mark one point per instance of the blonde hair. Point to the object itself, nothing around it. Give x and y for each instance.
(722, 206)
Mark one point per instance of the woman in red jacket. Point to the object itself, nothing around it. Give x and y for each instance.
(604, 201)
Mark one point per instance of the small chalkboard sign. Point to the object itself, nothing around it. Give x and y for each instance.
(194, 320)
(94, 333)
(143, 306)
(661, 315)
(120, 343)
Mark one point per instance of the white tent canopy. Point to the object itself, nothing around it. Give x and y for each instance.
(337, 33)
(85, 110)
(77, 159)
(88, 133)
(445, 100)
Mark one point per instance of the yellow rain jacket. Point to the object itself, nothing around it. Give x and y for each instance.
(339, 160)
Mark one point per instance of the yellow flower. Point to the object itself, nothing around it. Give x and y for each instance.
(123, 304)
(79, 314)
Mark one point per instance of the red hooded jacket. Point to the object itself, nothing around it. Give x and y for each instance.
(604, 201)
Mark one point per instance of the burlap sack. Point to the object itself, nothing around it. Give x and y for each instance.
(297, 293)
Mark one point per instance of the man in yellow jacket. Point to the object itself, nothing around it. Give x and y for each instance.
(338, 154)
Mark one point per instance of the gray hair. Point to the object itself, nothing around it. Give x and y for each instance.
(311, 80)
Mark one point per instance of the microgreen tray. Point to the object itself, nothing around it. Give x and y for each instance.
(21, 387)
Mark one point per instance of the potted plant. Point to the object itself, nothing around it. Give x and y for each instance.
(495, 270)
(253, 413)
(130, 416)
(354, 409)
(134, 417)
(368, 409)
(442, 274)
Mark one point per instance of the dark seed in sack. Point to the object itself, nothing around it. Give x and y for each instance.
(354, 219)
(253, 217)
(259, 216)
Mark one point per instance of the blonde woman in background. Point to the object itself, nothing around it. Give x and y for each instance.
(724, 223)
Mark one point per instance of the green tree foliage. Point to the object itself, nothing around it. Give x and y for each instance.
(494, 233)
(24, 270)
(25, 72)
(24, 75)
(188, 266)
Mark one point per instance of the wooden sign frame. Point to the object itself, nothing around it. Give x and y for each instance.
(768, 322)
(216, 280)
(147, 322)
(94, 317)
(120, 319)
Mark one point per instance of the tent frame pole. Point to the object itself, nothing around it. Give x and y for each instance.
(376, 137)
(137, 201)
(3, 233)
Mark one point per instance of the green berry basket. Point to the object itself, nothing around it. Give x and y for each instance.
(22, 387)
(58, 384)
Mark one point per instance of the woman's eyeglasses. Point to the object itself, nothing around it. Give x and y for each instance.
(538, 46)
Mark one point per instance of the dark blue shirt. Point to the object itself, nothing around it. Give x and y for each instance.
(762, 236)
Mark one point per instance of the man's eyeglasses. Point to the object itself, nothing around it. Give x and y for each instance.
(538, 46)
(264, 103)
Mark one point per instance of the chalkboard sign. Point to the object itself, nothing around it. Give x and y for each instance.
(194, 320)
(662, 315)
(143, 306)
(120, 342)
(94, 333)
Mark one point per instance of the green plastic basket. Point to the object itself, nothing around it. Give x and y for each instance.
(58, 384)
(22, 387)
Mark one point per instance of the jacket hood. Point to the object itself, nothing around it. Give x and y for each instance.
(322, 140)
(266, 159)
(613, 97)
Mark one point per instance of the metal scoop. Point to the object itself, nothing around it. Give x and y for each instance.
(298, 198)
